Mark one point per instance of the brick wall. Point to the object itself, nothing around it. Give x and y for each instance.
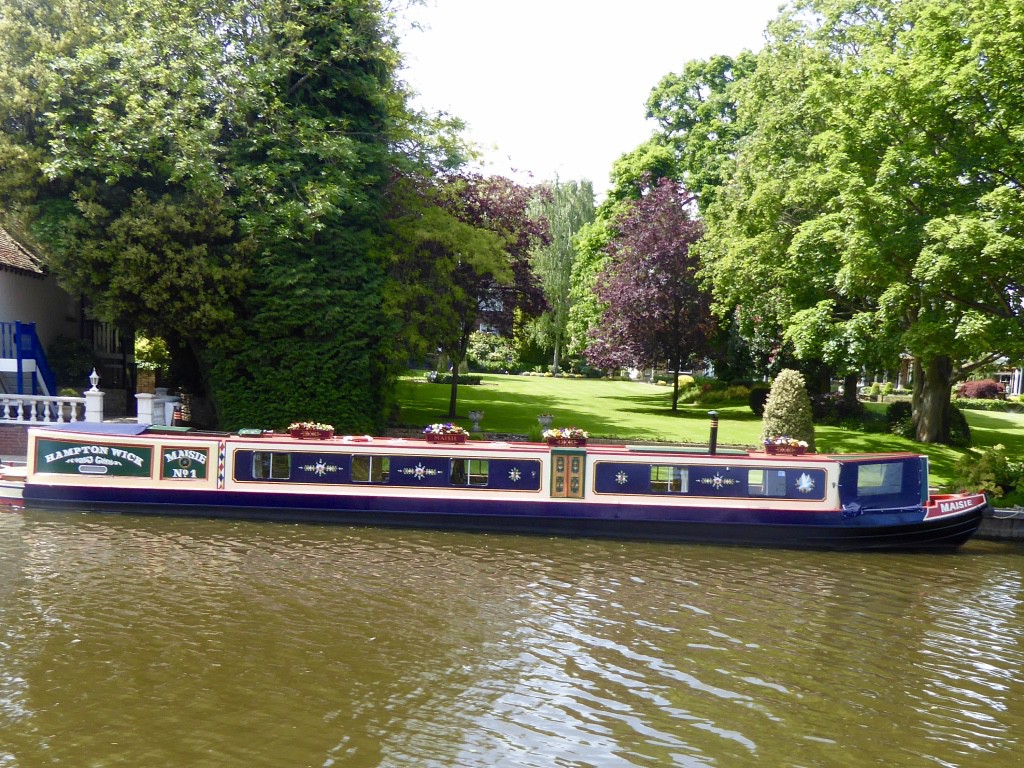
(13, 439)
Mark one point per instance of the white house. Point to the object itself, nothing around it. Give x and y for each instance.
(30, 296)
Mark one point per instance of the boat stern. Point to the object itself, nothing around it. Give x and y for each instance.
(948, 505)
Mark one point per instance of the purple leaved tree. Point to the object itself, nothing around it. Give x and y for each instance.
(499, 294)
(462, 262)
(655, 310)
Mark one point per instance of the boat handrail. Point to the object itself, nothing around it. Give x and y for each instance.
(697, 450)
(860, 510)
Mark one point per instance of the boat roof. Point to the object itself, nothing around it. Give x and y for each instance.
(99, 428)
(253, 436)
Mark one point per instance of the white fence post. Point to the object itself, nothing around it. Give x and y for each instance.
(144, 407)
(94, 400)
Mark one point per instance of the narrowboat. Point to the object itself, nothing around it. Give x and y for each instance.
(12, 485)
(814, 501)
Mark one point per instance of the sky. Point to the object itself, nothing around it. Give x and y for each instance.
(557, 88)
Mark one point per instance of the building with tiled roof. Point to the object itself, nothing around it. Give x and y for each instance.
(30, 295)
(14, 257)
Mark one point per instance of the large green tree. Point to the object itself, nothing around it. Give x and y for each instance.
(567, 207)
(462, 261)
(875, 192)
(696, 112)
(216, 172)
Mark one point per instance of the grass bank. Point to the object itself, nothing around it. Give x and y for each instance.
(634, 411)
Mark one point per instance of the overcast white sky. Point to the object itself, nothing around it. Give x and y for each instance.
(557, 87)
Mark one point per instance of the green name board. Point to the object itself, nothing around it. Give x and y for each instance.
(184, 463)
(75, 457)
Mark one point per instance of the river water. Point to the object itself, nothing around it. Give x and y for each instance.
(146, 641)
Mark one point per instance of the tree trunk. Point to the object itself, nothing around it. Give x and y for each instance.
(556, 361)
(676, 365)
(455, 390)
(457, 359)
(850, 390)
(932, 381)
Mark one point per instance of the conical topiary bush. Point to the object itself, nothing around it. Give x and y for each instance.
(788, 410)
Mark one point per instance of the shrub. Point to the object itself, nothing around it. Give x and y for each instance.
(151, 354)
(716, 396)
(833, 408)
(959, 431)
(899, 418)
(1010, 405)
(757, 400)
(788, 410)
(434, 377)
(985, 389)
(71, 361)
(490, 352)
(992, 472)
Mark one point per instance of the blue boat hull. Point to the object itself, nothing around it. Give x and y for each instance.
(899, 530)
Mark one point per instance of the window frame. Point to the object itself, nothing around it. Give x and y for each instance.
(884, 488)
(378, 469)
(678, 480)
(482, 477)
(272, 461)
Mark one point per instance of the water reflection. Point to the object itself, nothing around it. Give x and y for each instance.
(161, 641)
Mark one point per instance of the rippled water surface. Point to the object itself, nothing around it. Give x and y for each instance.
(134, 641)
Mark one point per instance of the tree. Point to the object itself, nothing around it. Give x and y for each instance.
(216, 173)
(788, 410)
(655, 309)
(632, 175)
(696, 111)
(876, 192)
(465, 262)
(566, 208)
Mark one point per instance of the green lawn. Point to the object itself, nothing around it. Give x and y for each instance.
(627, 411)
(612, 409)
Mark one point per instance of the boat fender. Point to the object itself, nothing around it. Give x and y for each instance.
(851, 510)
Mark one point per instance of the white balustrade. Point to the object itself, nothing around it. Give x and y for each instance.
(156, 409)
(44, 409)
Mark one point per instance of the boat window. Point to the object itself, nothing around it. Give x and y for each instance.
(469, 472)
(880, 479)
(271, 465)
(766, 482)
(371, 469)
(669, 479)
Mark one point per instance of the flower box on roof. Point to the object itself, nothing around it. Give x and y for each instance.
(445, 433)
(784, 445)
(311, 430)
(566, 436)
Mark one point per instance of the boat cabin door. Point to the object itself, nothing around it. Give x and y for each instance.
(567, 473)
